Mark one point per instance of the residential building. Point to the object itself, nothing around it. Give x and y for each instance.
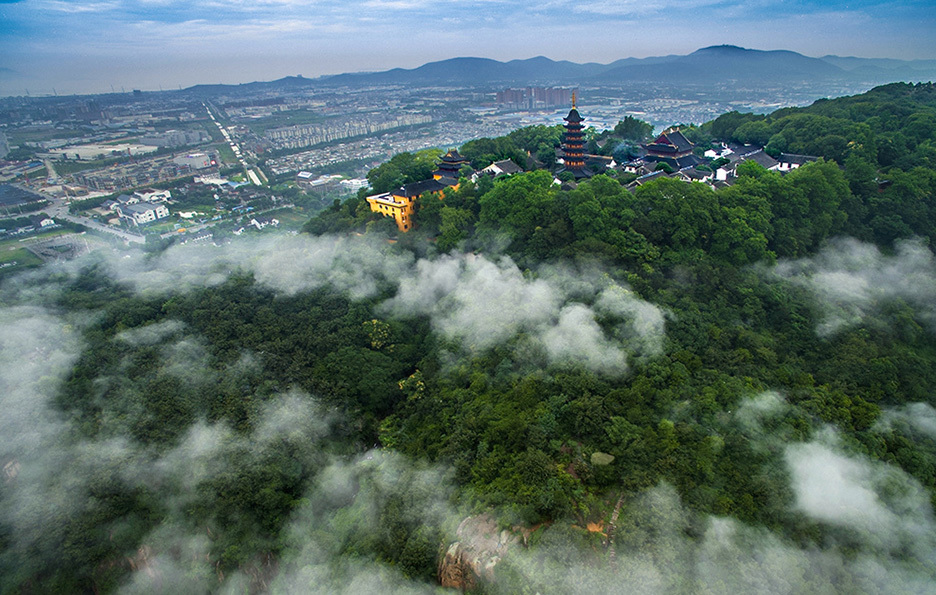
(195, 161)
(142, 212)
(502, 168)
(153, 195)
(261, 222)
(42, 220)
(791, 161)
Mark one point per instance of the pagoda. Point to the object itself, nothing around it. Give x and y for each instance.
(573, 145)
(449, 167)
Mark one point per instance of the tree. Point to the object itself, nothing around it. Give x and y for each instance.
(632, 129)
(518, 204)
(454, 227)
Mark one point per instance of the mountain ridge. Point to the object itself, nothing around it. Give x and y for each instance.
(708, 65)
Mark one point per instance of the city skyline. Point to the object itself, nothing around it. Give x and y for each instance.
(66, 47)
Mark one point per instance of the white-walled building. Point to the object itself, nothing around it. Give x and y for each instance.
(153, 195)
(194, 161)
(143, 212)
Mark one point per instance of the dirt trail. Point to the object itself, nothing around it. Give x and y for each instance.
(612, 525)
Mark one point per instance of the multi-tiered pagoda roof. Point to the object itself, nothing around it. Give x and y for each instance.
(450, 166)
(573, 145)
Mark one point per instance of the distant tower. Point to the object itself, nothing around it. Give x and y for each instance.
(573, 144)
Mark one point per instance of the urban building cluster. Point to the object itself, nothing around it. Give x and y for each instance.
(175, 138)
(145, 172)
(534, 97)
(305, 135)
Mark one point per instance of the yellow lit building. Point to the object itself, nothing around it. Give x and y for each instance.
(401, 203)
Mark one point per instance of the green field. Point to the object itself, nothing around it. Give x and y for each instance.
(225, 152)
(288, 218)
(70, 167)
(23, 258)
(18, 137)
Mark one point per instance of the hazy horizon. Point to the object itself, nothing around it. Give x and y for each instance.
(68, 47)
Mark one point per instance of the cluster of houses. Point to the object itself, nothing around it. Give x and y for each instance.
(259, 223)
(40, 222)
(143, 206)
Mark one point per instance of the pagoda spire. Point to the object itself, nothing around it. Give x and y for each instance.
(573, 99)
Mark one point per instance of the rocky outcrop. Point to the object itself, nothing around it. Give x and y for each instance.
(471, 559)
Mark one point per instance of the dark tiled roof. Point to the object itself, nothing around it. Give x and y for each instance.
(742, 150)
(695, 174)
(650, 177)
(678, 138)
(677, 163)
(416, 188)
(762, 159)
(688, 161)
(574, 117)
(453, 157)
(670, 142)
(578, 172)
(796, 159)
(507, 166)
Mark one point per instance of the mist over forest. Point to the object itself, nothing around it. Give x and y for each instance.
(671, 390)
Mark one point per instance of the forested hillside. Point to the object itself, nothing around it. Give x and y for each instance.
(743, 380)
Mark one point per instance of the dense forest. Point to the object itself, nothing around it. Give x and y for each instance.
(671, 390)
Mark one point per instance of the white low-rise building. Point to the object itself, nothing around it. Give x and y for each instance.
(143, 212)
(791, 161)
(153, 195)
(194, 161)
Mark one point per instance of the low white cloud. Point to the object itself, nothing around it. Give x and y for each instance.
(150, 334)
(37, 351)
(576, 336)
(921, 417)
(886, 507)
(753, 411)
(852, 281)
(480, 303)
(654, 554)
(570, 316)
(287, 264)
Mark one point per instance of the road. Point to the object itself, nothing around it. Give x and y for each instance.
(58, 210)
(251, 174)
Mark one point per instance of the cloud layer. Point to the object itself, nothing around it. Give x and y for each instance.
(565, 315)
(560, 315)
(853, 281)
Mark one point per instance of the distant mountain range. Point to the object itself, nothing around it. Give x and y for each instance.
(711, 65)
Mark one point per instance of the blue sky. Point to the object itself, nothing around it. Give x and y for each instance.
(87, 46)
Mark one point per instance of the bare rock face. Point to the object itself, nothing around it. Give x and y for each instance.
(472, 558)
